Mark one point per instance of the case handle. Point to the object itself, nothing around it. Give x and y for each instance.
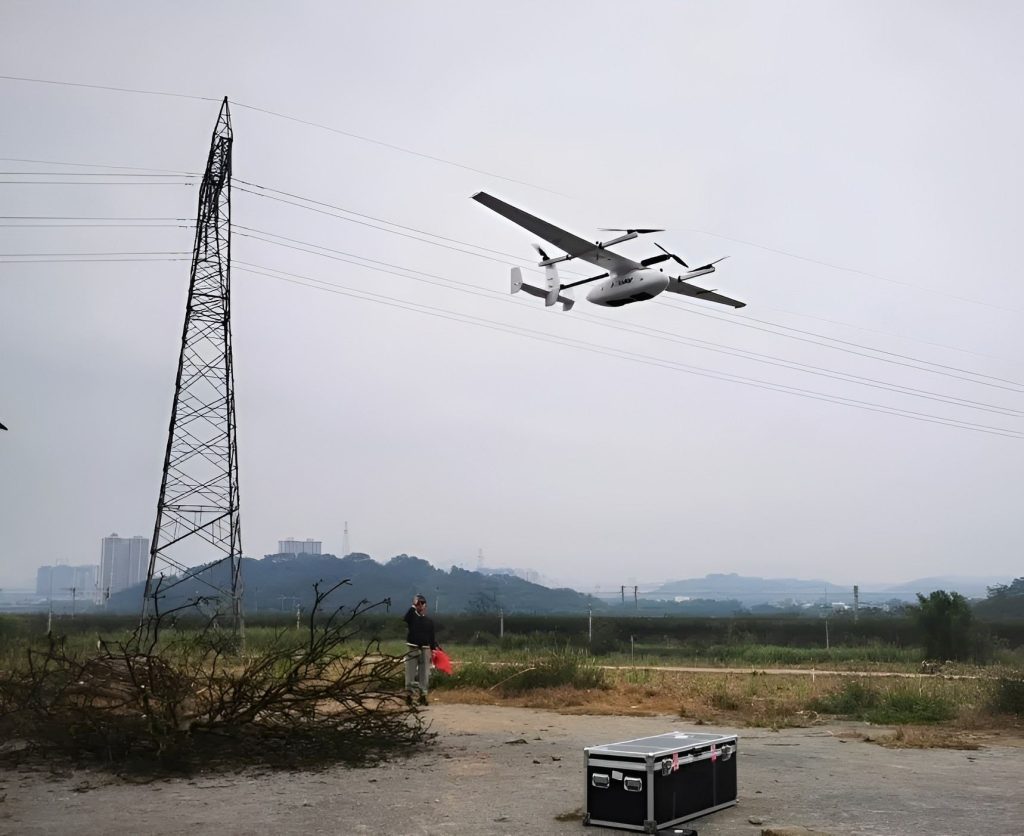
(632, 784)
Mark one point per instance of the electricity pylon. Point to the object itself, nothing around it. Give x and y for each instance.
(197, 537)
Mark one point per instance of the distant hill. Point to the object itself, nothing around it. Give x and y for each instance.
(280, 582)
(755, 590)
(747, 590)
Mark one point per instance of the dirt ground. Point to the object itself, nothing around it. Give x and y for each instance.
(499, 770)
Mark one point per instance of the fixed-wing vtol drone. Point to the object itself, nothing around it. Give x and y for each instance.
(624, 280)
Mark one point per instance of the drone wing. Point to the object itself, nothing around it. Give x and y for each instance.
(573, 245)
(686, 289)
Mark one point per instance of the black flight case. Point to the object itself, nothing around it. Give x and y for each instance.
(655, 782)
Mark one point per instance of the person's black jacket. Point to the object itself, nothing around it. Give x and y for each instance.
(421, 630)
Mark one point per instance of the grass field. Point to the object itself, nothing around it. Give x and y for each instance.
(547, 671)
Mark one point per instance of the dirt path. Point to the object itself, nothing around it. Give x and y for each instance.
(812, 672)
(479, 777)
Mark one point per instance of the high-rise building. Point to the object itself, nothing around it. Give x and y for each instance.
(124, 562)
(293, 546)
(63, 581)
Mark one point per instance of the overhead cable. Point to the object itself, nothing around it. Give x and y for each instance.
(619, 353)
(454, 284)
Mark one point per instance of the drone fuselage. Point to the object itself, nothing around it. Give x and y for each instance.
(634, 286)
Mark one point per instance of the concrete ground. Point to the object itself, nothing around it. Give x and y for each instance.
(477, 779)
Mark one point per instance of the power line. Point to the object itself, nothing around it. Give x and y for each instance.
(106, 87)
(88, 174)
(833, 374)
(95, 226)
(286, 117)
(92, 183)
(399, 148)
(84, 260)
(443, 313)
(83, 217)
(47, 255)
(390, 231)
(444, 161)
(96, 165)
(881, 332)
(644, 331)
(740, 319)
(530, 262)
(858, 272)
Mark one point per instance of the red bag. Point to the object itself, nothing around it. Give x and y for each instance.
(441, 661)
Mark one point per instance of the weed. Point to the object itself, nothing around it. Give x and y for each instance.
(723, 700)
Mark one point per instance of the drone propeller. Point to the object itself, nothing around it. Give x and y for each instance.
(543, 254)
(657, 259)
(637, 231)
(702, 270)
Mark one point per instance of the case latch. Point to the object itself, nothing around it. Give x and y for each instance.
(601, 781)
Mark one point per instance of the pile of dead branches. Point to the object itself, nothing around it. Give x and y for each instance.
(178, 697)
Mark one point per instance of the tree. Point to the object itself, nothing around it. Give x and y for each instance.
(945, 619)
(1003, 601)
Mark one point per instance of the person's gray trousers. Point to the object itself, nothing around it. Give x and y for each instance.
(417, 669)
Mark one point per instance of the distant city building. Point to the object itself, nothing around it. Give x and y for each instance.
(124, 562)
(292, 546)
(59, 581)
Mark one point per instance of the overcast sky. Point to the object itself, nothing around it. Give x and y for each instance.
(859, 163)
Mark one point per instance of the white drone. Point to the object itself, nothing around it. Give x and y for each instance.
(624, 281)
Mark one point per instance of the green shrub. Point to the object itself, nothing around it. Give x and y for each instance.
(605, 639)
(855, 699)
(908, 707)
(1008, 695)
(903, 705)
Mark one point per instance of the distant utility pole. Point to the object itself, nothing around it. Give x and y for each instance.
(856, 602)
(636, 599)
(49, 615)
(198, 507)
(501, 624)
(622, 589)
(346, 547)
(74, 597)
(590, 623)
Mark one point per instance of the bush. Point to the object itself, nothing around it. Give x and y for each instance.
(907, 707)
(1008, 695)
(945, 621)
(605, 639)
(855, 699)
(902, 705)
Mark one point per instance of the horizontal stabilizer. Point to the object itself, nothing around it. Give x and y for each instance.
(518, 284)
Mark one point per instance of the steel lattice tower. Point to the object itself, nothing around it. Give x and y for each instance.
(197, 519)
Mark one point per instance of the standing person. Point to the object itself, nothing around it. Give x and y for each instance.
(421, 641)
